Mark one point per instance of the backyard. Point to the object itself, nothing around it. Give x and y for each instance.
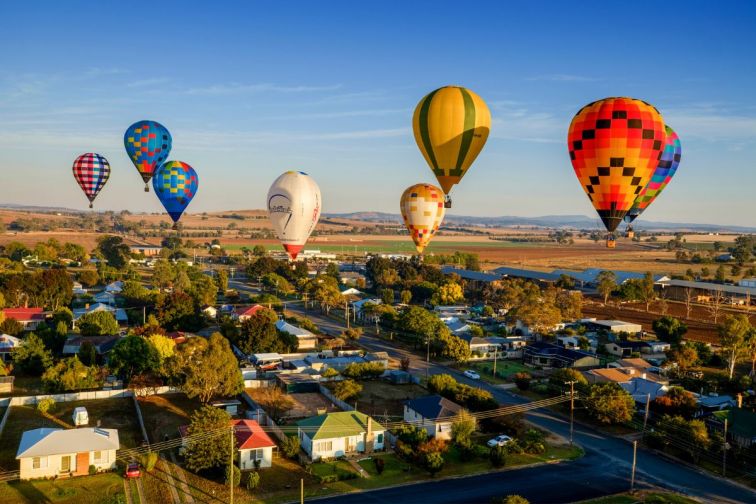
(163, 414)
(504, 369)
(379, 398)
(103, 488)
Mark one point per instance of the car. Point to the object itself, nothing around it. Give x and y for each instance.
(472, 374)
(500, 440)
(132, 470)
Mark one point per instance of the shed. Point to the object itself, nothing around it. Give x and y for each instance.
(297, 383)
(231, 406)
(80, 416)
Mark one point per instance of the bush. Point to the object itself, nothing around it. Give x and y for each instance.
(329, 478)
(236, 475)
(522, 380)
(541, 388)
(514, 447)
(364, 370)
(45, 405)
(379, 465)
(253, 481)
(149, 460)
(347, 389)
(534, 442)
(92, 470)
(290, 446)
(498, 456)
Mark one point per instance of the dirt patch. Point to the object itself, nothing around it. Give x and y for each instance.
(310, 404)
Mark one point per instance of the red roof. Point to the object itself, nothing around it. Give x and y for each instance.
(25, 314)
(248, 310)
(249, 435)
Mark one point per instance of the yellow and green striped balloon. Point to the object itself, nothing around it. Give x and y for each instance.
(451, 126)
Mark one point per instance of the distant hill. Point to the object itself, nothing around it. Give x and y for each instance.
(545, 221)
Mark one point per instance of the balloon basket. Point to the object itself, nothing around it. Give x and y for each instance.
(175, 226)
(146, 188)
(447, 202)
(611, 242)
(91, 205)
(629, 233)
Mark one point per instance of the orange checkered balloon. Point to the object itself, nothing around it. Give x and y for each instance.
(615, 145)
(422, 207)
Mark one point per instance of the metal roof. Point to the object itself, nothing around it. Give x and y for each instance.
(46, 441)
(710, 286)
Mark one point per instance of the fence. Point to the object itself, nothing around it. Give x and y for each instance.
(338, 402)
(140, 418)
(5, 419)
(259, 415)
(90, 395)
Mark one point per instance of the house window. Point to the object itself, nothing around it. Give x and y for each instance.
(36, 463)
(325, 446)
(256, 454)
(379, 438)
(98, 456)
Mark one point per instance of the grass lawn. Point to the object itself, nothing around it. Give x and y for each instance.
(504, 369)
(649, 497)
(26, 386)
(379, 398)
(340, 467)
(163, 414)
(112, 414)
(97, 489)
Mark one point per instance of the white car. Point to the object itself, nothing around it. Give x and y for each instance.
(472, 374)
(500, 440)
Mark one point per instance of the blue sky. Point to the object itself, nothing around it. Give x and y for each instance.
(252, 89)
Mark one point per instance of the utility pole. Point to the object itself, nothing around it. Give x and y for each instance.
(496, 348)
(645, 416)
(572, 406)
(144, 315)
(632, 477)
(724, 451)
(301, 490)
(231, 466)
(346, 312)
(427, 357)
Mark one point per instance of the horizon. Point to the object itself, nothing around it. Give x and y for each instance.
(342, 112)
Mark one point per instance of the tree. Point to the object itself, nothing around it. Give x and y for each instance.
(670, 329)
(45, 405)
(498, 456)
(430, 455)
(274, 401)
(750, 346)
(222, 280)
(89, 278)
(31, 356)
(606, 284)
(716, 299)
(258, 251)
(98, 323)
(677, 401)
(290, 446)
(688, 300)
(353, 333)
(253, 480)
(685, 356)
(329, 297)
(732, 337)
(233, 475)
(177, 312)
(522, 380)
(387, 295)
(405, 296)
(277, 283)
(133, 355)
(115, 252)
(258, 334)
(206, 368)
(448, 294)
(462, 429)
(561, 377)
(610, 404)
(540, 315)
(164, 347)
(570, 304)
(512, 499)
(11, 326)
(163, 274)
(70, 375)
(347, 390)
(646, 293)
(565, 282)
(87, 353)
(207, 452)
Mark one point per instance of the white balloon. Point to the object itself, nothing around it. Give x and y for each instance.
(294, 209)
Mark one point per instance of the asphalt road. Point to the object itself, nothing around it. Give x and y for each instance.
(605, 468)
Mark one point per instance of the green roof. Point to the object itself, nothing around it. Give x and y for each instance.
(336, 425)
(742, 423)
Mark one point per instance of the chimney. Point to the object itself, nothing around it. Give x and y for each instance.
(86, 306)
(643, 376)
(740, 400)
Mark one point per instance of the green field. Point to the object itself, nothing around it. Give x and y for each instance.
(400, 246)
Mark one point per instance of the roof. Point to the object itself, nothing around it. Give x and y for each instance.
(641, 389)
(477, 276)
(266, 356)
(25, 314)
(337, 425)
(249, 435)
(284, 326)
(523, 273)
(102, 344)
(549, 349)
(248, 310)
(715, 401)
(118, 313)
(634, 362)
(8, 342)
(46, 441)
(433, 407)
(742, 423)
(710, 286)
(612, 323)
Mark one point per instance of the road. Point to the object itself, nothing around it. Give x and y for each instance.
(605, 468)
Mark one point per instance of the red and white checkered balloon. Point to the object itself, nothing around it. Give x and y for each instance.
(91, 171)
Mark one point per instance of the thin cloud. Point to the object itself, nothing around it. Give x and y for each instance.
(235, 88)
(562, 78)
(148, 82)
(712, 123)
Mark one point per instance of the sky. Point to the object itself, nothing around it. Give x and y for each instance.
(249, 90)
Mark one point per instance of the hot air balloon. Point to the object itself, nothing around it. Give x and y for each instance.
(91, 171)
(175, 184)
(422, 207)
(148, 144)
(294, 209)
(665, 170)
(451, 125)
(615, 145)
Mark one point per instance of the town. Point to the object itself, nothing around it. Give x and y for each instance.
(179, 373)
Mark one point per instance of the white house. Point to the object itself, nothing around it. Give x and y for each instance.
(114, 287)
(341, 433)
(210, 311)
(7, 344)
(48, 453)
(433, 413)
(118, 313)
(359, 306)
(105, 297)
(305, 339)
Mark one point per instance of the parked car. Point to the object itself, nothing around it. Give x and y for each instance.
(500, 440)
(472, 374)
(132, 470)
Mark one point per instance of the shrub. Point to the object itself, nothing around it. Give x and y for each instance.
(235, 473)
(498, 456)
(45, 405)
(347, 389)
(253, 481)
(290, 446)
(541, 388)
(92, 470)
(533, 442)
(149, 460)
(364, 370)
(522, 380)
(514, 447)
(329, 478)
(379, 465)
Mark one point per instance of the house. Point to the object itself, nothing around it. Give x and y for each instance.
(105, 297)
(454, 311)
(7, 344)
(456, 326)
(52, 452)
(146, 250)
(118, 313)
(305, 339)
(359, 307)
(554, 356)
(30, 318)
(245, 312)
(644, 390)
(635, 362)
(475, 279)
(114, 287)
(77, 289)
(350, 291)
(741, 427)
(711, 403)
(337, 434)
(210, 311)
(433, 413)
(539, 277)
(622, 375)
(102, 344)
(614, 326)
(251, 441)
(297, 383)
(624, 348)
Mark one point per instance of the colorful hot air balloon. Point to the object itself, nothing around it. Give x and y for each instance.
(148, 144)
(175, 184)
(451, 125)
(665, 170)
(422, 207)
(615, 145)
(91, 171)
(294, 209)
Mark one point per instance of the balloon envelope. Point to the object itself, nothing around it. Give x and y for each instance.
(175, 184)
(451, 126)
(665, 170)
(294, 209)
(148, 144)
(422, 207)
(91, 171)
(615, 145)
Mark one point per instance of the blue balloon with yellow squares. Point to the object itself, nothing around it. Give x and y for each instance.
(175, 184)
